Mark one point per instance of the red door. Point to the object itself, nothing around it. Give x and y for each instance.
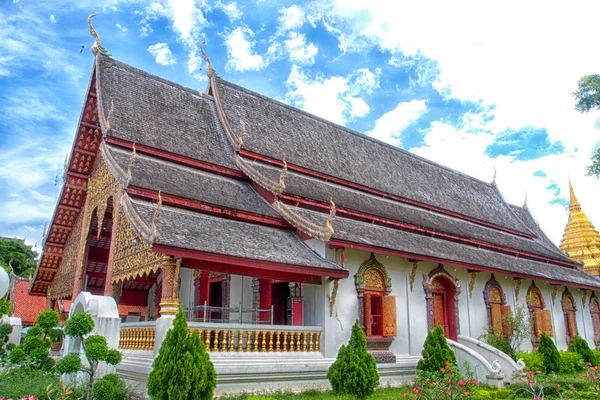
(439, 312)
(376, 316)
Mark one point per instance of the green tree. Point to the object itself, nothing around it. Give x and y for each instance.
(515, 329)
(95, 350)
(588, 98)
(182, 370)
(354, 371)
(549, 353)
(22, 256)
(4, 307)
(47, 320)
(435, 352)
(581, 347)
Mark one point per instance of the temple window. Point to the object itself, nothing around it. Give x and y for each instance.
(377, 310)
(540, 317)
(595, 313)
(497, 310)
(569, 309)
(441, 293)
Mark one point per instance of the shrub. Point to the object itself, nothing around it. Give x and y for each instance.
(34, 331)
(570, 362)
(596, 360)
(182, 369)
(581, 347)
(56, 335)
(447, 383)
(22, 382)
(354, 371)
(109, 387)
(435, 352)
(17, 355)
(549, 353)
(533, 360)
(4, 307)
(68, 364)
(47, 320)
(95, 349)
(5, 331)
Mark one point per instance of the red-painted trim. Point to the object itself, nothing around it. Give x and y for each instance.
(205, 208)
(328, 178)
(177, 158)
(246, 266)
(335, 243)
(403, 226)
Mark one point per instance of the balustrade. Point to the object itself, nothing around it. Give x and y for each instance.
(137, 338)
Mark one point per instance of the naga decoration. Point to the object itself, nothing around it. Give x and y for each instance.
(130, 166)
(472, 283)
(155, 217)
(96, 47)
(413, 275)
(336, 283)
(525, 206)
(320, 232)
(494, 178)
(274, 187)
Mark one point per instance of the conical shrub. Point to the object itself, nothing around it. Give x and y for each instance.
(435, 352)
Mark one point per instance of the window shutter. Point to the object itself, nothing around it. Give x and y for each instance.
(547, 322)
(367, 314)
(506, 328)
(389, 315)
(572, 324)
(538, 324)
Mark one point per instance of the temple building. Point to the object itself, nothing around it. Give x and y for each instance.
(581, 240)
(276, 230)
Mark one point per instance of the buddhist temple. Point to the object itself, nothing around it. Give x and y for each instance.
(276, 230)
(581, 240)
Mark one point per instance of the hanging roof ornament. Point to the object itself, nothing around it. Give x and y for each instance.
(96, 47)
(525, 202)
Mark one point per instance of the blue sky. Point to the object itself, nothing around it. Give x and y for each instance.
(467, 85)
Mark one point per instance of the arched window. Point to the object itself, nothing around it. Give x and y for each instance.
(595, 311)
(569, 309)
(541, 318)
(497, 310)
(442, 291)
(377, 310)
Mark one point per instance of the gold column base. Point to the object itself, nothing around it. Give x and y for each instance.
(169, 306)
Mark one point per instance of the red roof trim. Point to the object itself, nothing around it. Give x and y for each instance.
(177, 158)
(403, 226)
(314, 174)
(205, 208)
(336, 243)
(248, 264)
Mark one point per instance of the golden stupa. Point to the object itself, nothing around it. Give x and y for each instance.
(581, 240)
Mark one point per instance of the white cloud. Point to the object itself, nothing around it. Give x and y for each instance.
(52, 19)
(391, 124)
(292, 17)
(162, 54)
(300, 52)
(232, 10)
(240, 51)
(337, 98)
(122, 28)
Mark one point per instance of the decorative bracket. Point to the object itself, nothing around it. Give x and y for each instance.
(583, 299)
(413, 274)
(336, 283)
(96, 47)
(517, 288)
(472, 283)
(554, 292)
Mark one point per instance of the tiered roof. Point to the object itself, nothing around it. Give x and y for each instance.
(581, 240)
(245, 177)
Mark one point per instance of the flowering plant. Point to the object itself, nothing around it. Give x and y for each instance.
(534, 380)
(448, 383)
(593, 377)
(133, 395)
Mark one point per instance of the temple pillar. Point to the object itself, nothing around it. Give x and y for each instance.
(266, 299)
(169, 303)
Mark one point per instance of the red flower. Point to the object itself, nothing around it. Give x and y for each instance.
(416, 390)
(462, 383)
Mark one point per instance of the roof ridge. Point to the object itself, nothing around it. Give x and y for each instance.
(355, 133)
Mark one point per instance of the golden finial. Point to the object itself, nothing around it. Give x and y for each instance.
(130, 165)
(96, 47)
(209, 69)
(525, 202)
(282, 176)
(573, 198)
(494, 179)
(330, 217)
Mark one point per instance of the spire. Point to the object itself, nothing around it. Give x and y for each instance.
(580, 239)
(573, 198)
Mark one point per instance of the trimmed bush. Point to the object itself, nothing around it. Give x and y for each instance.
(109, 387)
(4, 307)
(533, 360)
(56, 335)
(549, 354)
(68, 364)
(435, 352)
(47, 320)
(354, 371)
(571, 362)
(182, 370)
(5, 331)
(17, 355)
(581, 347)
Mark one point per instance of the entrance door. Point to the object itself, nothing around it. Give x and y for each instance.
(444, 307)
(216, 300)
(281, 291)
(376, 316)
